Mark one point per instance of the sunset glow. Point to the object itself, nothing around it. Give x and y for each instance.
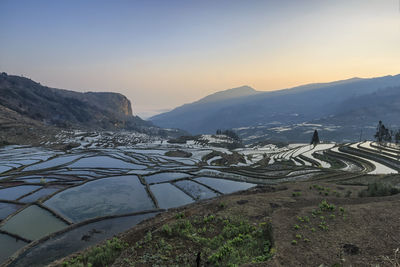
(162, 54)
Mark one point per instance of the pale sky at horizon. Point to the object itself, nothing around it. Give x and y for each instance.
(162, 54)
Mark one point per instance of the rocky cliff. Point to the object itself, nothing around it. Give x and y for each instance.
(64, 108)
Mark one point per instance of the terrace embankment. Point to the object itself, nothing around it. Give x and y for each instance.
(292, 224)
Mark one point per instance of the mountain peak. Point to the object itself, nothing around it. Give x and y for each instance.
(245, 107)
(236, 92)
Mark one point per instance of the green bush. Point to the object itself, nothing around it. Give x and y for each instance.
(325, 206)
(242, 242)
(179, 215)
(98, 256)
(221, 242)
(296, 194)
(341, 209)
(166, 229)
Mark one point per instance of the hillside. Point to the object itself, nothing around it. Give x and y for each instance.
(354, 119)
(66, 108)
(370, 108)
(266, 110)
(242, 91)
(31, 113)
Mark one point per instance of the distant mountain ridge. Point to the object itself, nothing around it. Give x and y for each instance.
(296, 105)
(242, 91)
(367, 109)
(66, 108)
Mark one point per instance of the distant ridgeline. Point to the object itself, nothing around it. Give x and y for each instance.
(341, 111)
(23, 98)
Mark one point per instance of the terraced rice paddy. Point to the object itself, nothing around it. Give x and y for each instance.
(49, 198)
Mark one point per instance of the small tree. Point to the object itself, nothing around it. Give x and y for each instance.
(315, 138)
(397, 140)
(397, 137)
(387, 135)
(380, 132)
(231, 134)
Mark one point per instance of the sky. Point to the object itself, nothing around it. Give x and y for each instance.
(162, 54)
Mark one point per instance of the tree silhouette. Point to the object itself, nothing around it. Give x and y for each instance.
(397, 136)
(315, 138)
(230, 134)
(382, 133)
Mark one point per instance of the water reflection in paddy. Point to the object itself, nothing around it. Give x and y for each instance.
(168, 196)
(39, 194)
(33, 223)
(4, 168)
(107, 196)
(224, 186)
(12, 193)
(6, 209)
(9, 245)
(105, 162)
(196, 190)
(77, 239)
(165, 176)
(53, 162)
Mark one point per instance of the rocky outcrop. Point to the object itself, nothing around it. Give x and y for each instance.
(66, 108)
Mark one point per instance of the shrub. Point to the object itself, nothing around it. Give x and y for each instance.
(239, 242)
(323, 226)
(325, 206)
(341, 209)
(208, 218)
(166, 229)
(148, 237)
(296, 194)
(100, 255)
(316, 212)
(179, 215)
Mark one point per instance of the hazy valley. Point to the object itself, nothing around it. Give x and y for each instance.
(339, 110)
